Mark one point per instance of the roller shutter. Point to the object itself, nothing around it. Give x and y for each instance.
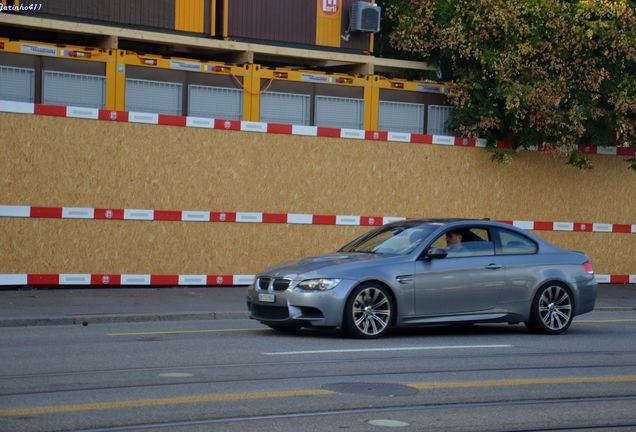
(73, 89)
(438, 117)
(17, 84)
(401, 117)
(286, 108)
(153, 96)
(339, 112)
(215, 102)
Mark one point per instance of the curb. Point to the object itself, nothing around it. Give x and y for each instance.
(27, 322)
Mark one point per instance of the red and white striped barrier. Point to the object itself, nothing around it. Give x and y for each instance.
(124, 280)
(259, 127)
(572, 226)
(110, 280)
(278, 218)
(615, 279)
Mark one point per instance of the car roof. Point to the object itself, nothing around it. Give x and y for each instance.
(440, 224)
(436, 221)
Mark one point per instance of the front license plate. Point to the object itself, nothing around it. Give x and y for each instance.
(267, 298)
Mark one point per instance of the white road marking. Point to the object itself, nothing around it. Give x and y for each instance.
(175, 375)
(446, 347)
(388, 423)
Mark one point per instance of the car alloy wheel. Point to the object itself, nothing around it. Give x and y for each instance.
(368, 312)
(552, 309)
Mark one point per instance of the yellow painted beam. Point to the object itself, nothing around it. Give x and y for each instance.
(372, 104)
(120, 81)
(248, 94)
(111, 81)
(254, 94)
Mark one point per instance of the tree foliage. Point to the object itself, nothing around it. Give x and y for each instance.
(551, 74)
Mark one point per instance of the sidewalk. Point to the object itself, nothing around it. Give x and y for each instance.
(97, 305)
(28, 307)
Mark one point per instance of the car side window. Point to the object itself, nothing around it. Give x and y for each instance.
(466, 242)
(512, 243)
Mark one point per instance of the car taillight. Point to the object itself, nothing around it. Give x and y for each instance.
(588, 267)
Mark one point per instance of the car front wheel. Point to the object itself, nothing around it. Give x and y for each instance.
(368, 312)
(552, 309)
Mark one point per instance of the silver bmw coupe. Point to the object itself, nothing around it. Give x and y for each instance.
(428, 271)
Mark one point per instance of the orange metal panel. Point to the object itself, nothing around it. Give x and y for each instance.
(189, 15)
(328, 22)
(226, 18)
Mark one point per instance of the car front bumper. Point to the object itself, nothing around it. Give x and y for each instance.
(297, 306)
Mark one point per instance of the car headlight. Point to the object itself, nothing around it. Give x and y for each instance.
(318, 284)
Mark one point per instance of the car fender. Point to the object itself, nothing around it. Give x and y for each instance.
(554, 275)
(399, 301)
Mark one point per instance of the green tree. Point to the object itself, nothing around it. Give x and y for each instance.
(549, 74)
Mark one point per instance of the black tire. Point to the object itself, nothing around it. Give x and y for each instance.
(552, 309)
(368, 312)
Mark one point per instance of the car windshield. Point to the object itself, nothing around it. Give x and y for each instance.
(398, 239)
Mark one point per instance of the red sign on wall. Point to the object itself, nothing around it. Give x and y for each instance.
(330, 7)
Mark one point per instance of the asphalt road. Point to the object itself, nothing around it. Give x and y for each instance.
(44, 306)
(236, 375)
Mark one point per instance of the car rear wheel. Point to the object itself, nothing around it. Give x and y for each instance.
(552, 309)
(368, 312)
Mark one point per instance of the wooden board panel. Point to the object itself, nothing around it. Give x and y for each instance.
(123, 247)
(60, 162)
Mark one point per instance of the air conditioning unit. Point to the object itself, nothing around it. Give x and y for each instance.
(365, 17)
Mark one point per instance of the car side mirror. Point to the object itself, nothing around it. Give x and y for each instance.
(435, 253)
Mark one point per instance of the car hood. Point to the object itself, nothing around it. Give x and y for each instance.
(335, 265)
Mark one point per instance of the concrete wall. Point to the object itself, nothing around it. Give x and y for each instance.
(63, 162)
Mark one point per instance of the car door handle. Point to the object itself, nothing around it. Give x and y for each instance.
(494, 266)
